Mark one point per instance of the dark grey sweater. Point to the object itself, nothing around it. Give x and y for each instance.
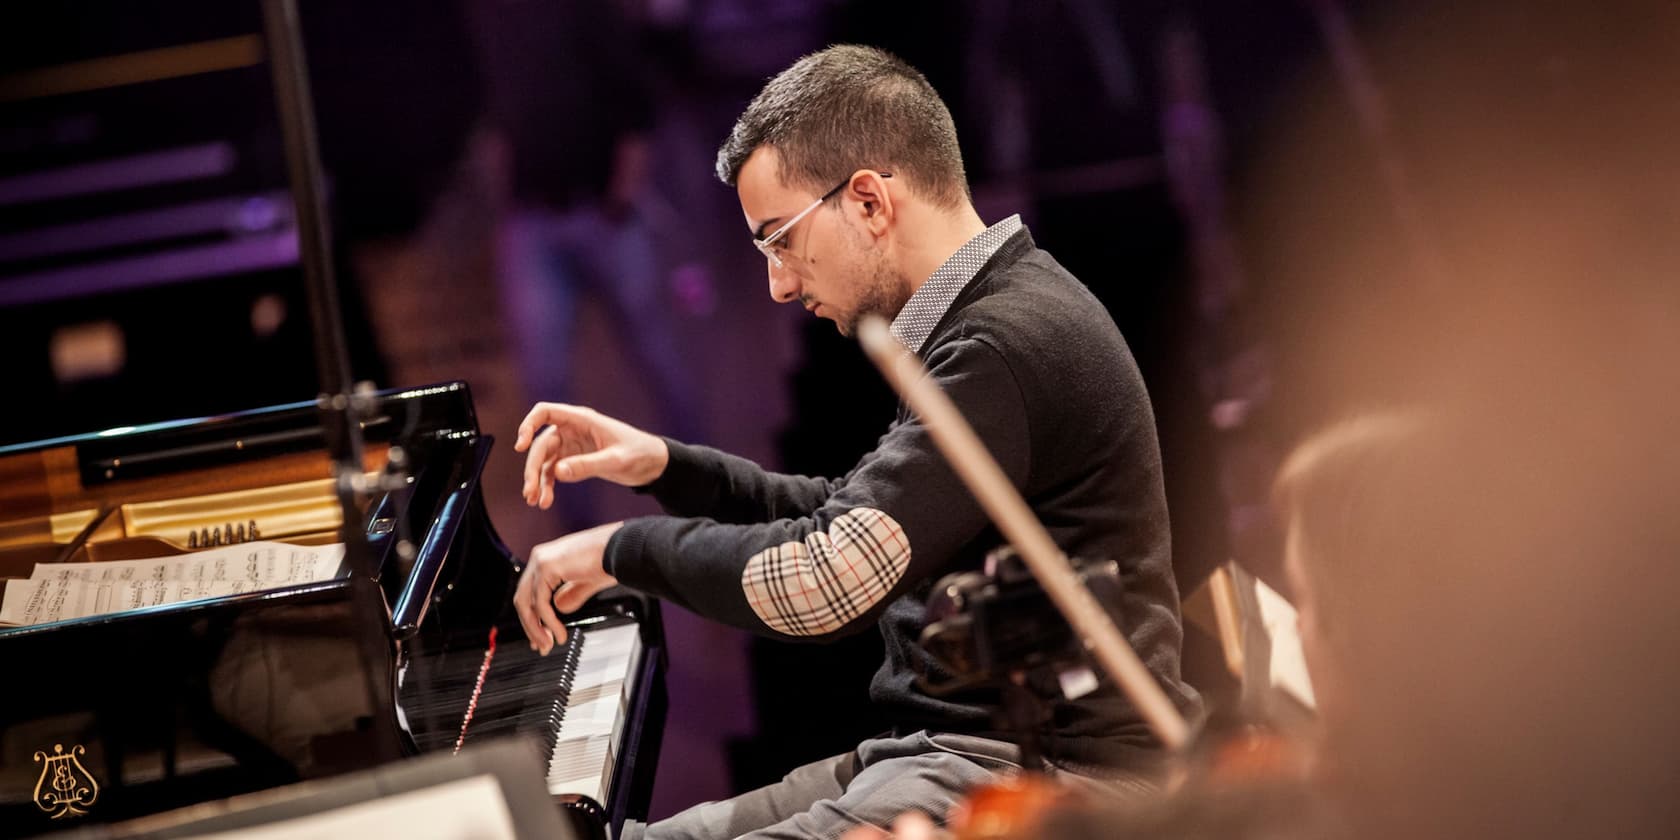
(1037, 367)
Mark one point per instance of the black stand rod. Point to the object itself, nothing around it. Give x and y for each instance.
(339, 407)
(303, 165)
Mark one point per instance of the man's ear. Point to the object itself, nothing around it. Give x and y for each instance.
(872, 200)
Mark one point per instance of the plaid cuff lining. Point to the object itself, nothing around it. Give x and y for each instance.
(819, 585)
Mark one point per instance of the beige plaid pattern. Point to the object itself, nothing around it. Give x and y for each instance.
(819, 584)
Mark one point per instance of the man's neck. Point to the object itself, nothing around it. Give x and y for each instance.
(939, 234)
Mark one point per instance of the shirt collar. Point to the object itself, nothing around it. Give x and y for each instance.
(921, 313)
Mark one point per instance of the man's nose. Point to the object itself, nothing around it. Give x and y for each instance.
(784, 285)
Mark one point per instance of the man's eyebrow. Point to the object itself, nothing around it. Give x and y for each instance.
(762, 226)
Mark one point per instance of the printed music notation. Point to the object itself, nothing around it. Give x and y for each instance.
(60, 591)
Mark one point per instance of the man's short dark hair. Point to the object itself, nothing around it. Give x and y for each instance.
(848, 108)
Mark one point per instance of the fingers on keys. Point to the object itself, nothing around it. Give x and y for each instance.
(532, 601)
(553, 628)
(523, 605)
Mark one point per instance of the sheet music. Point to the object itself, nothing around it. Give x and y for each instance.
(59, 591)
(1288, 666)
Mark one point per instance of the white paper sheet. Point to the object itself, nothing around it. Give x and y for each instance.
(60, 591)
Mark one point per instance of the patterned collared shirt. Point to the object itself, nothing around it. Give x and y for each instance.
(921, 313)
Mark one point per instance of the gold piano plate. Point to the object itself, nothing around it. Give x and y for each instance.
(57, 528)
(279, 511)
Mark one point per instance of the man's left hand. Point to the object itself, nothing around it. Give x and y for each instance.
(562, 574)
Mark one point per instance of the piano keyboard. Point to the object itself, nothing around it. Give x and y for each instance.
(586, 743)
(574, 701)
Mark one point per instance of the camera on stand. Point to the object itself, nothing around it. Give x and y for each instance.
(998, 628)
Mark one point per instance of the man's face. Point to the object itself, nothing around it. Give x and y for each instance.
(830, 264)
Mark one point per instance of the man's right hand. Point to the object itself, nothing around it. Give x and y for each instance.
(571, 443)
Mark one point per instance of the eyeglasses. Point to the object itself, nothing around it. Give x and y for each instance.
(767, 245)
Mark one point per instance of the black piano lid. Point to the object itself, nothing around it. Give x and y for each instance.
(144, 683)
(408, 416)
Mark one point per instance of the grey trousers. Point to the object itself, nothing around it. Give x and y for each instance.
(882, 778)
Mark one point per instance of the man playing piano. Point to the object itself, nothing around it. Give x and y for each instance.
(851, 181)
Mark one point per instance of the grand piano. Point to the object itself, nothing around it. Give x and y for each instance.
(129, 713)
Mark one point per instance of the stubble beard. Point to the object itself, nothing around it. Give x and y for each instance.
(882, 292)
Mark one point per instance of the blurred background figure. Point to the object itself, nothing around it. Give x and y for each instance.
(569, 122)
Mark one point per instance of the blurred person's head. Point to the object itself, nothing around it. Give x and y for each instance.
(1332, 491)
(1479, 608)
(861, 141)
(1488, 573)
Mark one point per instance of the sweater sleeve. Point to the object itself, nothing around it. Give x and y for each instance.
(701, 481)
(899, 518)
